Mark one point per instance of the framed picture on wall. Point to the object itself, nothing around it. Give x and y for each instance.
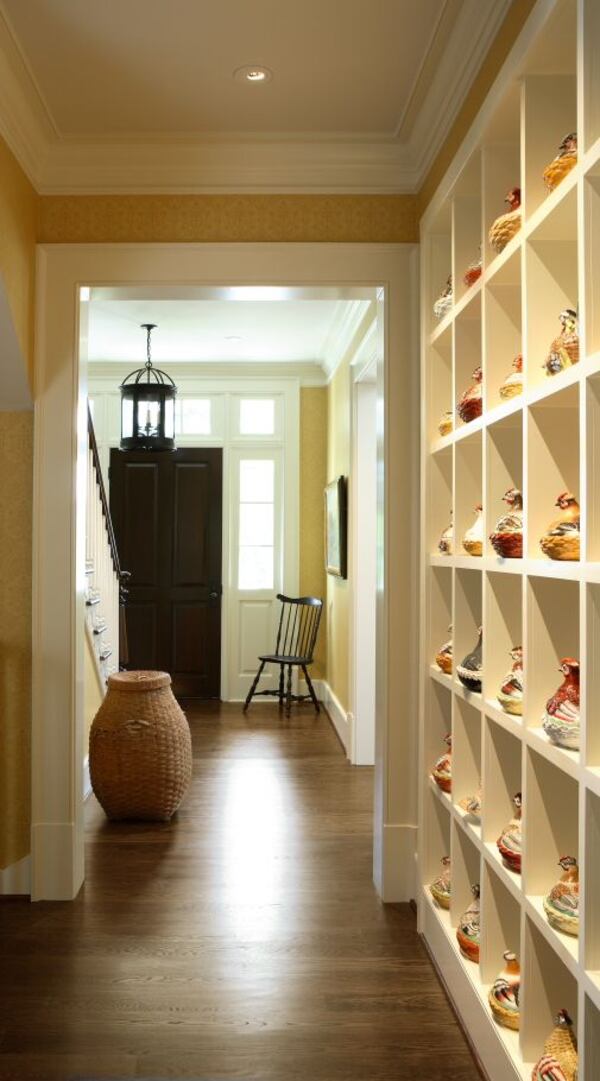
(336, 521)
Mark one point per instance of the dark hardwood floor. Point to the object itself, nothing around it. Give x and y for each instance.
(242, 940)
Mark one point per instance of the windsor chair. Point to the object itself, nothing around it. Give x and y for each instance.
(296, 638)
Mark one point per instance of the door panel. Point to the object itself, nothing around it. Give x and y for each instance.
(167, 513)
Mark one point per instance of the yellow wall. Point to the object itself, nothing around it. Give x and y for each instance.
(313, 478)
(338, 463)
(16, 458)
(18, 213)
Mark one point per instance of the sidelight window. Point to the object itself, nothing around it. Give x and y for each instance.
(257, 523)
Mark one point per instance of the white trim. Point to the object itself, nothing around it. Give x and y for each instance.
(16, 879)
(59, 557)
(87, 781)
(249, 162)
(308, 373)
(336, 712)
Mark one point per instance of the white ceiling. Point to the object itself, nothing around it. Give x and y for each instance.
(279, 330)
(145, 66)
(363, 91)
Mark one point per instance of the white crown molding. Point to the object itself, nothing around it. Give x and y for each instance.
(364, 163)
(309, 373)
(348, 318)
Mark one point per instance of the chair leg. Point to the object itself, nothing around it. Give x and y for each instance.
(281, 687)
(254, 685)
(288, 697)
(311, 689)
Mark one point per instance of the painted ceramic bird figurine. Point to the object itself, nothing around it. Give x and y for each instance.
(446, 424)
(473, 538)
(443, 657)
(469, 671)
(513, 384)
(510, 695)
(472, 804)
(446, 541)
(509, 841)
(561, 539)
(562, 903)
(467, 932)
(445, 300)
(504, 993)
(564, 349)
(507, 538)
(562, 164)
(442, 770)
(561, 716)
(440, 887)
(473, 271)
(470, 405)
(507, 225)
(560, 1059)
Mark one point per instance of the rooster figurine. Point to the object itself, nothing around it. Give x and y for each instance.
(467, 932)
(562, 903)
(507, 225)
(442, 770)
(443, 657)
(510, 840)
(473, 538)
(446, 423)
(473, 272)
(510, 695)
(560, 1060)
(564, 349)
(504, 993)
(507, 538)
(561, 539)
(513, 384)
(561, 717)
(562, 163)
(440, 887)
(472, 804)
(445, 300)
(446, 541)
(470, 405)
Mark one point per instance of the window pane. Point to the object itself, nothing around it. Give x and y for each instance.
(257, 416)
(255, 568)
(169, 429)
(257, 481)
(193, 416)
(256, 523)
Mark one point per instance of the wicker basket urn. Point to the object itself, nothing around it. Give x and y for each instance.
(140, 748)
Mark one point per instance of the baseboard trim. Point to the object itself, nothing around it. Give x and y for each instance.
(87, 781)
(16, 879)
(336, 712)
(57, 861)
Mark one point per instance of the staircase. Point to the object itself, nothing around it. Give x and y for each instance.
(105, 589)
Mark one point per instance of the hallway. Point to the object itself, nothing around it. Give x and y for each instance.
(243, 940)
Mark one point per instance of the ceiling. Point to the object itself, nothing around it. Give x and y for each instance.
(361, 93)
(246, 329)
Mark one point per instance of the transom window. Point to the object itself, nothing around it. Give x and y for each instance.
(193, 416)
(257, 416)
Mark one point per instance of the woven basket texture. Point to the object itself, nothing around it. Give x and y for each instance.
(140, 748)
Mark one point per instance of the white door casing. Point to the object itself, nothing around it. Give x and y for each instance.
(59, 521)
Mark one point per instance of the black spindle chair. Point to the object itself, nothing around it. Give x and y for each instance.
(296, 637)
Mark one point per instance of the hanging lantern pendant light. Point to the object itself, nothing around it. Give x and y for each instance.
(148, 405)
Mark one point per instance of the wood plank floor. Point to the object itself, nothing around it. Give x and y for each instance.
(244, 940)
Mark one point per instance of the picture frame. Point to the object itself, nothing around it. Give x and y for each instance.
(336, 528)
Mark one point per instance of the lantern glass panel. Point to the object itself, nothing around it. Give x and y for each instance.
(169, 418)
(126, 418)
(148, 418)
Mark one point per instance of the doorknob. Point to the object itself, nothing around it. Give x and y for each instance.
(215, 592)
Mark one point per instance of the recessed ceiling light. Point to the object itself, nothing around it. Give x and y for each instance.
(253, 73)
(233, 338)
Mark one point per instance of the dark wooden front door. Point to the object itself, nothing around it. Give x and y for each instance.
(167, 513)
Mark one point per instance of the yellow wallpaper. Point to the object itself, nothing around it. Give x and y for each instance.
(338, 462)
(216, 218)
(313, 478)
(18, 213)
(16, 463)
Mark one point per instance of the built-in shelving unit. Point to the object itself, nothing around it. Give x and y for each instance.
(544, 441)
